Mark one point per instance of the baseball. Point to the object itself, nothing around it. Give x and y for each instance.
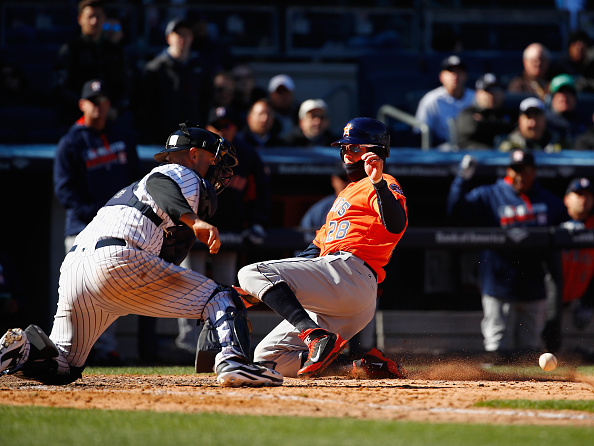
(547, 362)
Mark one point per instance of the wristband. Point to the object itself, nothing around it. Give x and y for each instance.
(381, 183)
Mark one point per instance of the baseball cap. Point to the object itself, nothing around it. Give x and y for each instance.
(580, 35)
(579, 184)
(311, 104)
(94, 88)
(562, 81)
(281, 80)
(521, 158)
(452, 61)
(175, 24)
(220, 116)
(531, 103)
(487, 81)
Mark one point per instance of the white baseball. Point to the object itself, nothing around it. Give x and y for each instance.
(547, 362)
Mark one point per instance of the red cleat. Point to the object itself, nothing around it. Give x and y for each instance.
(375, 365)
(324, 346)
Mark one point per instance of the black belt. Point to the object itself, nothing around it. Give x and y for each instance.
(105, 242)
(364, 262)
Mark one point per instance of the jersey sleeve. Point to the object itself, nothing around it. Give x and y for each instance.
(168, 196)
(390, 209)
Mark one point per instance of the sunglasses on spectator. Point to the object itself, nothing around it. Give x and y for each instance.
(116, 27)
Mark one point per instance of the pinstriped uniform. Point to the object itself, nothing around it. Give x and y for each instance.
(97, 285)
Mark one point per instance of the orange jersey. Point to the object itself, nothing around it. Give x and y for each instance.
(354, 225)
(578, 269)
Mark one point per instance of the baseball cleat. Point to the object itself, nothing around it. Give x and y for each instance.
(237, 372)
(324, 346)
(14, 350)
(375, 365)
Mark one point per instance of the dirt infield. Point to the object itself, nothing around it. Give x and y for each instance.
(443, 393)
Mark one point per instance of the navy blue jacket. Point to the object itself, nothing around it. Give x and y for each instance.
(515, 274)
(89, 168)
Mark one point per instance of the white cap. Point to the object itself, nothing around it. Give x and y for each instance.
(311, 104)
(529, 103)
(281, 79)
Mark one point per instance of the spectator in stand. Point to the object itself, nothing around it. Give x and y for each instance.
(478, 125)
(314, 126)
(91, 55)
(577, 62)
(281, 93)
(113, 30)
(176, 86)
(585, 141)
(532, 132)
(258, 131)
(578, 264)
(223, 96)
(562, 117)
(94, 160)
(213, 50)
(15, 89)
(246, 90)
(512, 281)
(244, 210)
(533, 80)
(443, 104)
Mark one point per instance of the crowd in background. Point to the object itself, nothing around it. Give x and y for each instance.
(196, 73)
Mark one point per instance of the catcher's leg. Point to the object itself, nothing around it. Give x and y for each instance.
(31, 354)
(227, 328)
(234, 316)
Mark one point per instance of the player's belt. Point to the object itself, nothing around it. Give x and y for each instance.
(364, 262)
(110, 242)
(105, 242)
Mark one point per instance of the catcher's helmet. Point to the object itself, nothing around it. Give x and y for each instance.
(366, 131)
(190, 135)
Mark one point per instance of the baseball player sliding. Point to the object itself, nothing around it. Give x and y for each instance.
(328, 293)
(125, 262)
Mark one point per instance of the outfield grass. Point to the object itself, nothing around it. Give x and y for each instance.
(64, 427)
(585, 405)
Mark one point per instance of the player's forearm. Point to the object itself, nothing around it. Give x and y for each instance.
(205, 232)
(392, 214)
(455, 200)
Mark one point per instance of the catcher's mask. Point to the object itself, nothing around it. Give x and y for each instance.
(190, 135)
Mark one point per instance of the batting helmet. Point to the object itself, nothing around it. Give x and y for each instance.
(190, 135)
(366, 131)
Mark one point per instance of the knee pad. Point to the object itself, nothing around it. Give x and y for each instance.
(208, 341)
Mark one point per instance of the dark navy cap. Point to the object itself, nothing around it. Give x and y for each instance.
(579, 184)
(175, 24)
(521, 158)
(94, 88)
(452, 62)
